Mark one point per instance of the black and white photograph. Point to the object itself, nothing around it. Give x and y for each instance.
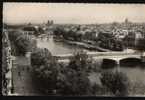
(73, 49)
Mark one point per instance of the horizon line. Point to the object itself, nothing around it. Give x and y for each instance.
(70, 23)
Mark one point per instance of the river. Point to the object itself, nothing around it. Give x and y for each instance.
(135, 74)
(56, 47)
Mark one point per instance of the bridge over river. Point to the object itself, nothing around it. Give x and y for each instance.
(116, 56)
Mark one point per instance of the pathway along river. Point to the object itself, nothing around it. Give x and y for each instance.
(135, 74)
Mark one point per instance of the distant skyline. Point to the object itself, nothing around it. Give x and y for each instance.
(70, 13)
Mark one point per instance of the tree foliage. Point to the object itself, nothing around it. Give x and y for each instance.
(73, 79)
(59, 79)
(108, 41)
(4, 71)
(79, 61)
(74, 83)
(45, 70)
(21, 43)
(116, 82)
(40, 57)
(141, 44)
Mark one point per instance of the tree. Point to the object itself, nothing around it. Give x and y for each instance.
(21, 43)
(4, 72)
(54, 78)
(116, 82)
(45, 70)
(79, 61)
(24, 44)
(73, 78)
(108, 41)
(13, 35)
(40, 57)
(46, 77)
(141, 44)
(74, 83)
(58, 31)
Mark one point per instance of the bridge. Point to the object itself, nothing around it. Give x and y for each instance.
(115, 56)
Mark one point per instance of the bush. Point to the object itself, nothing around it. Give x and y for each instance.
(100, 90)
(116, 82)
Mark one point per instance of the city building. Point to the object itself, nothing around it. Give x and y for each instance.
(120, 33)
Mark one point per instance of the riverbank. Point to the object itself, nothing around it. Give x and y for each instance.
(83, 45)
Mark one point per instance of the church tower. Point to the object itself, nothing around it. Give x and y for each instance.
(126, 21)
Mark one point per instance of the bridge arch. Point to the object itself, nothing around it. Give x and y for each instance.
(109, 63)
(130, 61)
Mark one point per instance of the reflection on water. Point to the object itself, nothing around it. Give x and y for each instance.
(56, 47)
(135, 74)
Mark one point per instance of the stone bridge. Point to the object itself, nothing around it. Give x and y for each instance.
(115, 56)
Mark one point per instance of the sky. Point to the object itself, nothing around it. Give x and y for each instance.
(78, 13)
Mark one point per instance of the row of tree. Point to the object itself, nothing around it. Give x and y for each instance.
(141, 44)
(108, 41)
(5, 70)
(54, 78)
(104, 40)
(21, 43)
(131, 41)
(67, 34)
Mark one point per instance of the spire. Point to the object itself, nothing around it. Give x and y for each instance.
(126, 21)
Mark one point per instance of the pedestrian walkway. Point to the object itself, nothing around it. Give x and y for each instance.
(22, 80)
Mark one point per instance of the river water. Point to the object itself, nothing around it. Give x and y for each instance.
(135, 74)
(56, 47)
